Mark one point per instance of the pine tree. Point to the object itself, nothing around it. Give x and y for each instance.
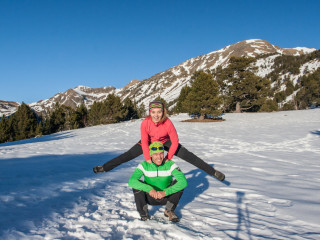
(6, 130)
(245, 91)
(95, 113)
(24, 122)
(39, 129)
(82, 116)
(3, 135)
(21, 125)
(289, 88)
(183, 95)
(132, 112)
(203, 97)
(115, 110)
(56, 120)
(309, 94)
(70, 118)
(142, 110)
(269, 106)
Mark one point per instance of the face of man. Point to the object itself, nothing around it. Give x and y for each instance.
(157, 158)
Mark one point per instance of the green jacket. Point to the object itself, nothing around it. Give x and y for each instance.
(158, 177)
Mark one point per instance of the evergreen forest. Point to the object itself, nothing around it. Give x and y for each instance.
(236, 88)
(25, 123)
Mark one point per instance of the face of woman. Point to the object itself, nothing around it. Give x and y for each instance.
(156, 114)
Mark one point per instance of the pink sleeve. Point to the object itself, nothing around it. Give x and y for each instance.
(145, 140)
(174, 139)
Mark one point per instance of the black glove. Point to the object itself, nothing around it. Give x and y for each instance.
(98, 169)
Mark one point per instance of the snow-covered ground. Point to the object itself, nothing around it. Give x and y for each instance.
(271, 162)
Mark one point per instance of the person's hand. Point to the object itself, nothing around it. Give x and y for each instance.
(161, 194)
(98, 169)
(153, 193)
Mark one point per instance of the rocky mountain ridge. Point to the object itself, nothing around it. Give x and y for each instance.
(169, 83)
(8, 107)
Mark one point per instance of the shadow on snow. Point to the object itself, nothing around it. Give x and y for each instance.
(45, 138)
(32, 189)
(316, 132)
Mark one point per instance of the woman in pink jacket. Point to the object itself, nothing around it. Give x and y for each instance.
(157, 127)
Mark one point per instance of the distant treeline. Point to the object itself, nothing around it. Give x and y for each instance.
(235, 88)
(25, 123)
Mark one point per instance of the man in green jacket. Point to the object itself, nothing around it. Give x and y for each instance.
(158, 187)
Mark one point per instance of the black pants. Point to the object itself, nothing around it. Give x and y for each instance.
(181, 152)
(142, 200)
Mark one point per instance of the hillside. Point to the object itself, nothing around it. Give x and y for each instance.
(8, 107)
(169, 83)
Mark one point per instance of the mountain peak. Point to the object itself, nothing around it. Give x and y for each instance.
(168, 83)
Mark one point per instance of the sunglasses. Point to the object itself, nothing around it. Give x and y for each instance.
(155, 148)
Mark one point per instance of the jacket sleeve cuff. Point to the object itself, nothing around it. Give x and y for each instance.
(149, 188)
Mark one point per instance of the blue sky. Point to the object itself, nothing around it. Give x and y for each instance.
(49, 46)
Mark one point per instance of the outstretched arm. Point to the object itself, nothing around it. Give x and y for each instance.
(145, 141)
(173, 138)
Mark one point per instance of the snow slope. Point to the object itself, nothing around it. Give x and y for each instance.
(271, 160)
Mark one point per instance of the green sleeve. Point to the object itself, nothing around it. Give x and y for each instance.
(179, 185)
(136, 184)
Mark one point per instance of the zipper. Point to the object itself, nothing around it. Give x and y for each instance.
(158, 167)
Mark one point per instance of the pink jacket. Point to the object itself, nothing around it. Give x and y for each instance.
(161, 132)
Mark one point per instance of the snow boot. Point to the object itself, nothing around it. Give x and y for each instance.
(145, 218)
(219, 175)
(172, 216)
(144, 215)
(98, 169)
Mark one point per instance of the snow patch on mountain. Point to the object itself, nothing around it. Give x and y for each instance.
(7, 108)
(265, 65)
(304, 50)
(167, 84)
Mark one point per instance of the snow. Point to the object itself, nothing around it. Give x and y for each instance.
(7, 110)
(176, 71)
(265, 65)
(202, 66)
(222, 50)
(305, 50)
(254, 41)
(310, 66)
(271, 162)
(80, 92)
(221, 60)
(290, 98)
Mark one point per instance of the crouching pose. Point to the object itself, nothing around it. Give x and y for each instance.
(158, 187)
(157, 127)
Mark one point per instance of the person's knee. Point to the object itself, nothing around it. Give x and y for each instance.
(136, 191)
